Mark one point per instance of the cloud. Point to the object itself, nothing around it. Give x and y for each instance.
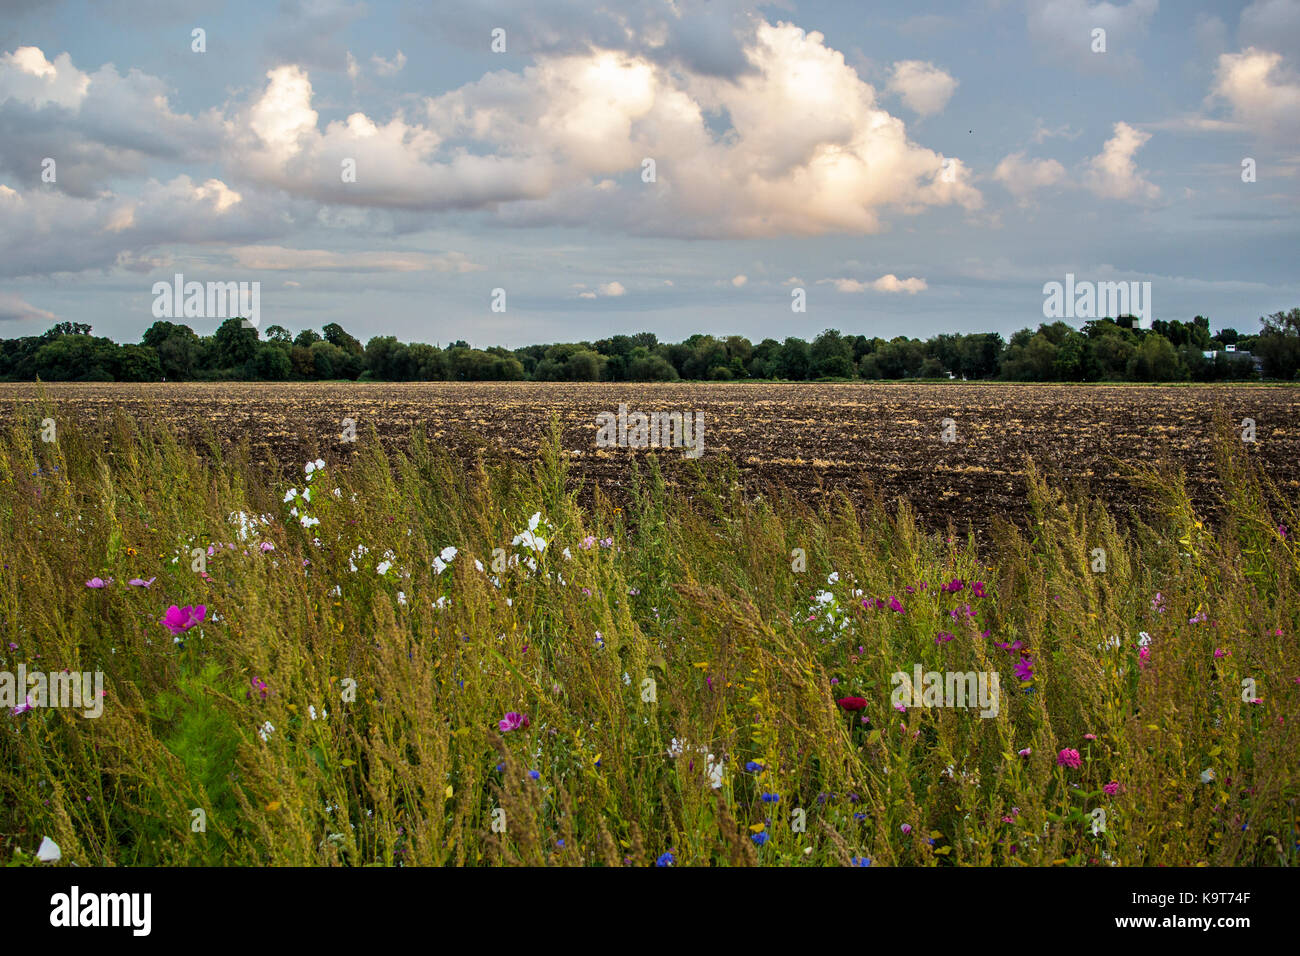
(612, 289)
(886, 283)
(14, 309)
(322, 260)
(1263, 92)
(808, 152)
(1113, 174)
(891, 283)
(739, 281)
(1271, 25)
(389, 67)
(1061, 31)
(1022, 177)
(924, 87)
(586, 295)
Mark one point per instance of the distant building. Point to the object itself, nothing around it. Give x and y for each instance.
(1231, 352)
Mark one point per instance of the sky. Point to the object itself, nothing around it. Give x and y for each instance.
(510, 173)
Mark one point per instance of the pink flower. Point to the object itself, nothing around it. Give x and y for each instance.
(1025, 753)
(944, 637)
(513, 721)
(894, 605)
(1111, 788)
(266, 546)
(1089, 736)
(24, 707)
(978, 589)
(141, 582)
(906, 828)
(1069, 758)
(1144, 657)
(98, 583)
(1220, 652)
(178, 620)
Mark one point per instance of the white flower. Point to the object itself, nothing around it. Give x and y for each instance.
(308, 521)
(309, 467)
(567, 555)
(290, 495)
(478, 564)
(48, 851)
(266, 730)
(532, 522)
(1207, 775)
(320, 463)
(835, 576)
(715, 773)
(676, 748)
(449, 552)
(311, 711)
(627, 680)
(1143, 639)
(306, 494)
(382, 567)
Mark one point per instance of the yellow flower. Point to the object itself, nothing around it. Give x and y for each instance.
(273, 806)
(758, 827)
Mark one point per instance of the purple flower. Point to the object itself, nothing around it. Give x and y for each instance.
(141, 582)
(98, 583)
(178, 620)
(1111, 788)
(894, 605)
(513, 721)
(944, 637)
(906, 828)
(1025, 669)
(978, 589)
(1069, 758)
(24, 707)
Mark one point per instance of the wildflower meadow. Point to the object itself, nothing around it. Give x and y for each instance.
(413, 660)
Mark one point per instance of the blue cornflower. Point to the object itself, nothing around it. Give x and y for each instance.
(666, 859)
(861, 861)
(754, 767)
(760, 838)
(771, 798)
(534, 774)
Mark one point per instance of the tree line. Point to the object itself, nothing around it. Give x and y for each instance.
(1101, 350)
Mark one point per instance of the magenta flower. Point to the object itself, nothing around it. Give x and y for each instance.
(1144, 657)
(978, 589)
(894, 605)
(944, 637)
(953, 586)
(1281, 530)
(1069, 758)
(98, 583)
(1089, 736)
(178, 620)
(1220, 652)
(1025, 669)
(141, 582)
(1024, 753)
(24, 707)
(906, 828)
(1111, 788)
(513, 721)
(266, 546)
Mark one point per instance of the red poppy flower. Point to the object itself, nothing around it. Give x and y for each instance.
(852, 703)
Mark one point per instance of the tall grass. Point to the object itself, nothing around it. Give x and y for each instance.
(658, 651)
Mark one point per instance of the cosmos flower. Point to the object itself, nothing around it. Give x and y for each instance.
(978, 589)
(1025, 669)
(1025, 753)
(513, 721)
(24, 707)
(1069, 758)
(141, 582)
(98, 583)
(178, 620)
